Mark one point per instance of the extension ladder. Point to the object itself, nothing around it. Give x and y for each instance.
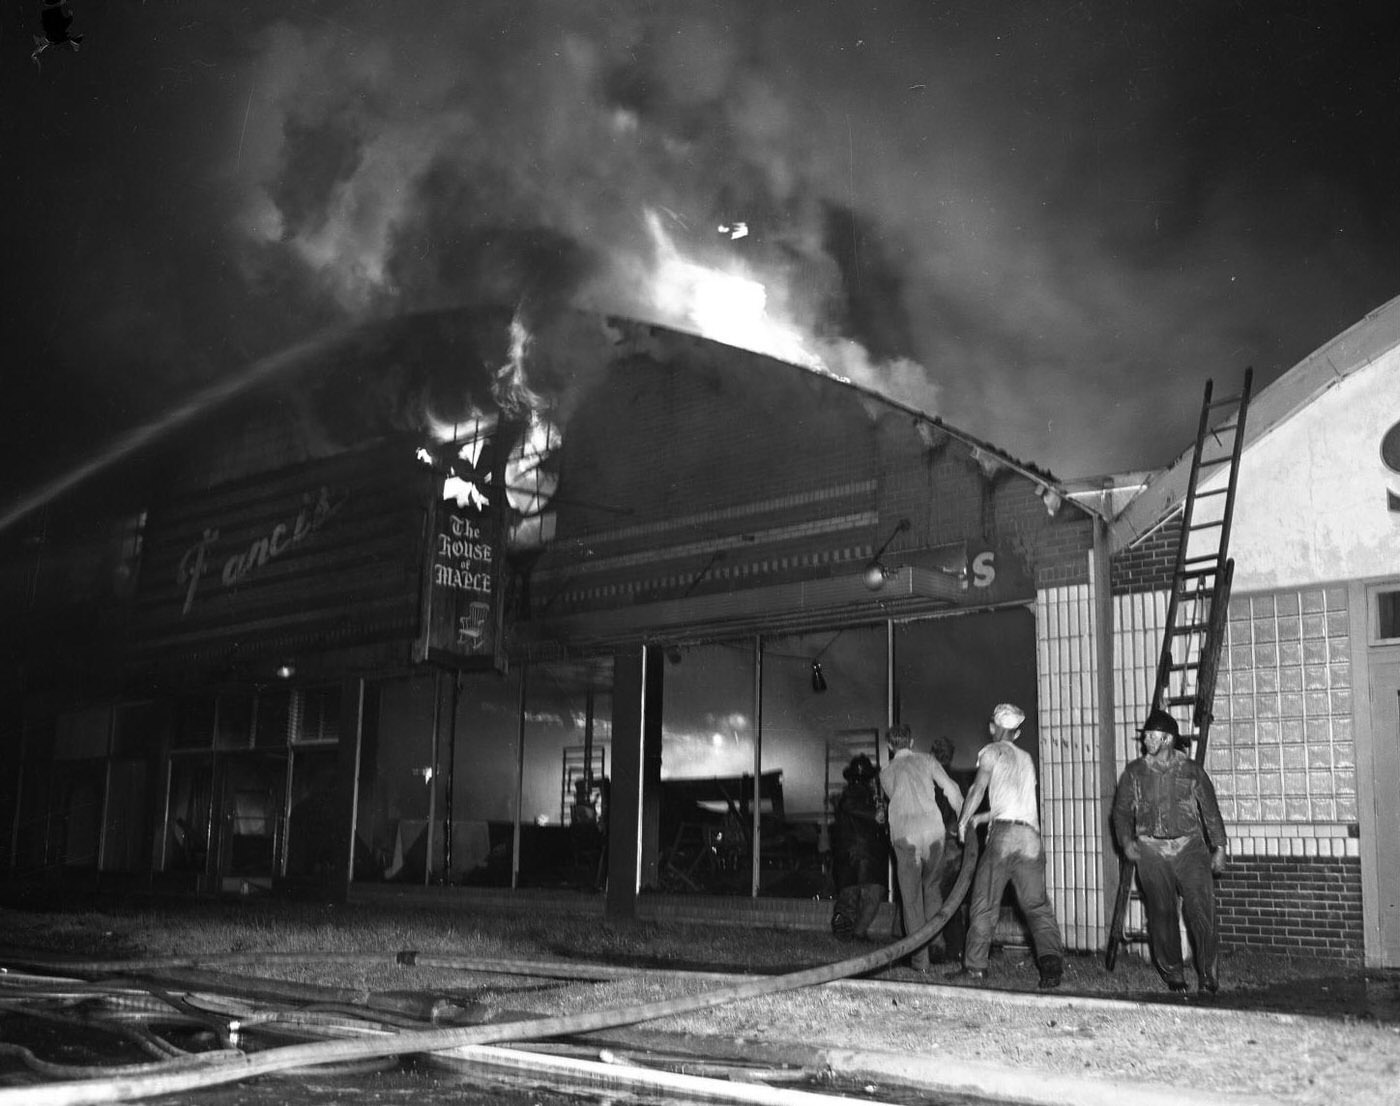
(1198, 602)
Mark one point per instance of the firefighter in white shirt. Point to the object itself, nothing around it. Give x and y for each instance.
(1013, 853)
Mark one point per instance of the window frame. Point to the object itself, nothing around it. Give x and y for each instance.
(1374, 594)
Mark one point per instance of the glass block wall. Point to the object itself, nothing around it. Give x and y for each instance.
(1281, 746)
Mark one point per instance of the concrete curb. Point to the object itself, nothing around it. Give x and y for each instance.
(1023, 1086)
(1054, 1000)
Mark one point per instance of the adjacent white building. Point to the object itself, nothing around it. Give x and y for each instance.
(1305, 745)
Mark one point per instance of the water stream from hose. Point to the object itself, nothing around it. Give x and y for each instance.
(157, 428)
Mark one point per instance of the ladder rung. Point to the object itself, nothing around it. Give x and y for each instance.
(1226, 401)
(1196, 573)
(1202, 559)
(1206, 525)
(1224, 460)
(1191, 628)
(1181, 701)
(1189, 666)
(1212, 492)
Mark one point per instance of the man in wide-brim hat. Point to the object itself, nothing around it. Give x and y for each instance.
(1167, 821)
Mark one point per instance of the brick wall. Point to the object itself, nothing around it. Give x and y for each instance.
(1061, 555)
(1148, 564)
(931, 480)
(1308, 905)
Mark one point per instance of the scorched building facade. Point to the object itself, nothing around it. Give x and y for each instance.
(695, 581)
(461, 608)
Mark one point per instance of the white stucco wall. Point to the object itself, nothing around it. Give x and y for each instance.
(1293, 751)
(1311, 504)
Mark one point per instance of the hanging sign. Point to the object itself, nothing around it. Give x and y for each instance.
(462, 627)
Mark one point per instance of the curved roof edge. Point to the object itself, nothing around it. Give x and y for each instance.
(1357, 347)
(1066, 492)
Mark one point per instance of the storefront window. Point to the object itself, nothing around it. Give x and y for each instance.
(315, 715)
(32, 829)
(233, 726)
(483, 778)
(704, 841)
(189, 825)
(273, 719)
(396, 771)
(823, 702)
(407, 831)
(194, 725)
(140, 735)
(315, 848)
(568, 740)
(79, 781)
(142, 729)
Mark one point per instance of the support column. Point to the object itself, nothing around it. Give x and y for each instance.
(634, 808)
(354, 694)
(1100, 576)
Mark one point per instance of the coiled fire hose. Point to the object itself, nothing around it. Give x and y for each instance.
(176, 1076)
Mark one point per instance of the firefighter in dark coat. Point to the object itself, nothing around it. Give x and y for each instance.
(859, 853)
(1168, 823)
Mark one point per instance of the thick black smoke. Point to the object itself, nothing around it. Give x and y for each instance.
(1047, 223)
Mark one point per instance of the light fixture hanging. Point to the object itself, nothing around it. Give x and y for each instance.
(818, 680)
(875, 572)
(286, 670)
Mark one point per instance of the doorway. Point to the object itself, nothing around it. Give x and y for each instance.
(253, 823)
(950, 673)
(1385, 742)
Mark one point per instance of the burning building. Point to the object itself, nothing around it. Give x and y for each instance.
(665, 568)
(460, 606)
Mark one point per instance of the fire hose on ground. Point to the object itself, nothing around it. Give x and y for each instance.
(176, 1076)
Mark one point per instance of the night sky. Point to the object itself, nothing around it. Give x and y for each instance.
(1046, 222)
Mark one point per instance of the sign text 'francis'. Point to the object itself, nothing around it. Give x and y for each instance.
(316, 510)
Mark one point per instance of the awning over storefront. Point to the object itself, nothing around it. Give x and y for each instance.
(778, 608)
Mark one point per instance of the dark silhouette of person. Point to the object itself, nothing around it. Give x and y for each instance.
(55, 19)
(583, 828)
(859, 853)
(600, 878)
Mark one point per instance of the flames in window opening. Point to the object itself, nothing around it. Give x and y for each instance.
(529, 483)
